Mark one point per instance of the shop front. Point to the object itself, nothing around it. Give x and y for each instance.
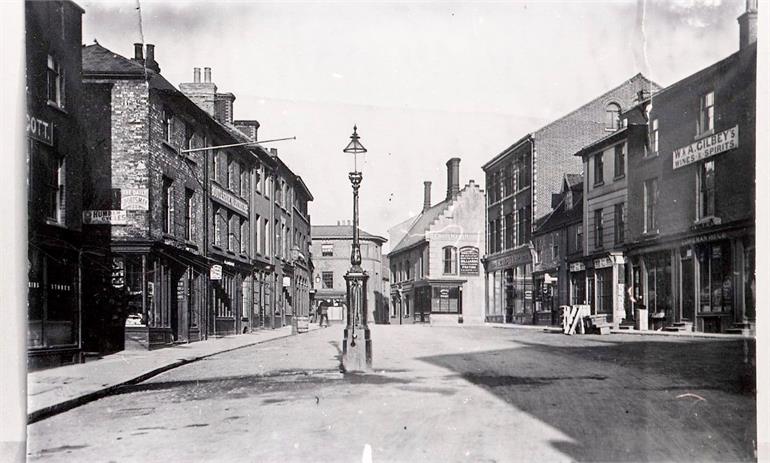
(546, 284)
(605, 286)
(164, 290)
(701, 283)
(510, 289)
(438, 300)
(230, 296)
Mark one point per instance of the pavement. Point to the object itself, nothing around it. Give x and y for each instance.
(440, 394)
(55, 390)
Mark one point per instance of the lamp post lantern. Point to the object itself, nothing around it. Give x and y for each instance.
(357, 341)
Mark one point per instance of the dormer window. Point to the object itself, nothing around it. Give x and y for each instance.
(612, 117)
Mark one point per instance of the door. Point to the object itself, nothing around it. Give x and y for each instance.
(688, 286)
(179, 307)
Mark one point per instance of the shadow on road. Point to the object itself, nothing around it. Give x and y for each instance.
(627, 400)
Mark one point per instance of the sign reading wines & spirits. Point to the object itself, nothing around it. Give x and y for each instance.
(706, 147)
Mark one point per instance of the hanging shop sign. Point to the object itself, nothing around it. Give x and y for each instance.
(228, 199)
(706, 147)
(286, 282)
(134, 199)
(469, 260)
(215, 273)
(112, 217)
(40, 130)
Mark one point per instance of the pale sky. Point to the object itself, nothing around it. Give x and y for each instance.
(423, 81)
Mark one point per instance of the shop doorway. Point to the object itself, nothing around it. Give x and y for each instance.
(688, 286)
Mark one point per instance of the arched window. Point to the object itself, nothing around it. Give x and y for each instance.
(450, 260)
(613, 116)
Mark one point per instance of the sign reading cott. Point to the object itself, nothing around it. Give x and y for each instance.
(706, 147)
(40, 130)
(469, 260)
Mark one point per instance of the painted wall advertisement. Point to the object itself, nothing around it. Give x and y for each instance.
(469, 260)
(134, 199)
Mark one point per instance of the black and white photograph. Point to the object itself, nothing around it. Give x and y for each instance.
(393, 231)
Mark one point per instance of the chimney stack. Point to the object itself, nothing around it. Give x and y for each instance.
(196, 75)
(426, 196)
(452, 178)
(138, 52)
(150, 58)
(207, 75)
(747, 23)
(274, 151)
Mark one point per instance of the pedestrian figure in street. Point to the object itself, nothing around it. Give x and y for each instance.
(323, 317)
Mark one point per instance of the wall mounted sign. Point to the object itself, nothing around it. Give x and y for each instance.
(509, 261)
(40, 130)
(469, 260)
(215, 273)
(134, 199)
(577, 267)
(111, 217)
(603, 262)
(706, 147)
(228, 199)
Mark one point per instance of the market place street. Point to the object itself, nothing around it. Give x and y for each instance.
(438, 394)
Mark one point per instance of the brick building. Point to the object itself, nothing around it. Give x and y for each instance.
(557, 240)
(435, 269)
(520, 182)
(331, 247)
(55, 195)
(691, 241)
(280, 257)
(168, 216)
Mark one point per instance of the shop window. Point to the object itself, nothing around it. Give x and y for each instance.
(650, 205)
(620, 223)
(604, 291)
(450, 260)
(716, 284)
(55, 82)
(706, 189)
(578, 287)
(620, 161)
(659, 294)
(705, 122)
(598, 169)
(446, 300)
(167, 204)
(612, 116)
(327, 280)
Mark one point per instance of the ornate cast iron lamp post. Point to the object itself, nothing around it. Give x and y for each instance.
(357, 342)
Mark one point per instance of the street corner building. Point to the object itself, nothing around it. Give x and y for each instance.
(435, 267)
(520, 183)
(691, 244)
(57, 253)
(191, 242)
(331, 257)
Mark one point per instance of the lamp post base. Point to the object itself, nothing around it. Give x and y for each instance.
(357, 353)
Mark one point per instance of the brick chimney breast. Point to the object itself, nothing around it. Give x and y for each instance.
(747, 23)
(150, 58)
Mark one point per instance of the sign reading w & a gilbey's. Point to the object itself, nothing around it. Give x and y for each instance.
(706, 147)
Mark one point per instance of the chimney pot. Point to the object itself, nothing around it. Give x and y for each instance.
(274, 151)
(150, 52)
(426, 196)
(452, 178)
(138, 52)
(207, 75)
(197, 75)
